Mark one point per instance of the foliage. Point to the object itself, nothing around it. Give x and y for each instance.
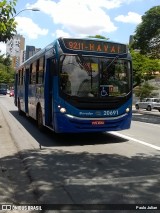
(6, 71)
(147, 34)
(7, 21)
(144, 68)
(98, 36)
(144, 91)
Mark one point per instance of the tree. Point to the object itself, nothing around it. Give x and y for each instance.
(6, 71)
(7, 21)
(143, 68)
(147, 34)
(144, 91)
(6, 77)
(98, 36)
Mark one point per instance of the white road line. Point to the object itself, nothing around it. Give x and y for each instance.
(135, 140)
(148, 179)
(149, 124)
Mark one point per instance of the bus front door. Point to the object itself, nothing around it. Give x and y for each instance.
(49, 93)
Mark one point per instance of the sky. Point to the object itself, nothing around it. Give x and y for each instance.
(113, 19)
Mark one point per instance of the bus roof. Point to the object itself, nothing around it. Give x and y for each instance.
(63, 40)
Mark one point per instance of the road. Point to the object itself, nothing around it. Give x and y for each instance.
(109, 168)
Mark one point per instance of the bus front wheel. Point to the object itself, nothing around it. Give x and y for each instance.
(39, 119)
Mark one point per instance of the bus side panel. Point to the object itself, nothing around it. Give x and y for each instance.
(20, 97)
(15, 89)
(32, 100)
(26, 80)
(46, 92)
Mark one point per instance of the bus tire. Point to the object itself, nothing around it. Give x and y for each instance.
(19, 108)
(40, 119)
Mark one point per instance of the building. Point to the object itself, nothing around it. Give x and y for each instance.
(30, 51)
(15, 49)
(131, 39)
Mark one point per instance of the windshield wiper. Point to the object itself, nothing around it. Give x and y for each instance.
(83, 64)
(111, 63)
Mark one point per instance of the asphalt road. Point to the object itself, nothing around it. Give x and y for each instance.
(110, 168)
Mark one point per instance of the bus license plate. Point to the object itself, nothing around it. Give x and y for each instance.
(97, 122)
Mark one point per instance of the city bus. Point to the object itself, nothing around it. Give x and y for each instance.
(3, 88)
(77, 85)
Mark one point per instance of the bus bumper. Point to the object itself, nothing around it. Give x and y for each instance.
(65, 123)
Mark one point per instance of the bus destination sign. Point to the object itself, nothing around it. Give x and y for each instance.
(98, 46)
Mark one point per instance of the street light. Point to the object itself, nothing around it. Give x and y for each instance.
(33, 9)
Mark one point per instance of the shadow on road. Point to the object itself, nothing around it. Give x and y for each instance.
(57, 176)
(63, 177)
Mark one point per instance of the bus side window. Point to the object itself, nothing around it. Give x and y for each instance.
(33, 76)
(40, 71)
(37, 71)
(30, 74)
(19, 77)
(22, 76)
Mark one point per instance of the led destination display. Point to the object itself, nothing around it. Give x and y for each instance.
(91, 45)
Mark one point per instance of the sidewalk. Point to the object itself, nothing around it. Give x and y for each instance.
(13, 177)
(22, 180)
(154, 112)
(143, 115)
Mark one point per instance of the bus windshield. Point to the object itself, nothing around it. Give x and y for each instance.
(89, 76)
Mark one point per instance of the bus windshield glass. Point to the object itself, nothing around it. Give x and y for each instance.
(89, 76)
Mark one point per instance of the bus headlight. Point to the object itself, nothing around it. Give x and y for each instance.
(62, 110)
(127, 110)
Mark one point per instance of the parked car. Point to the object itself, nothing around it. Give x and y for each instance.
(11, 93)
(157, 106)
(148, 104)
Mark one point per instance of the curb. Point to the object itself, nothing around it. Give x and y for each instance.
(146, 113)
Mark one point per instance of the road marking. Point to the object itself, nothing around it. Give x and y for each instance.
(150, 179)
(149, 124)
(135, 140)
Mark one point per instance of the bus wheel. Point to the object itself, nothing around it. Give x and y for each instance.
(39, 119)
(19, 108)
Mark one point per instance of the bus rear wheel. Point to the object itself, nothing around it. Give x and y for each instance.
(19, 108)
(40, 119)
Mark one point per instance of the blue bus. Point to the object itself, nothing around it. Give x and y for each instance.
(77, 85)
(3, 88)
